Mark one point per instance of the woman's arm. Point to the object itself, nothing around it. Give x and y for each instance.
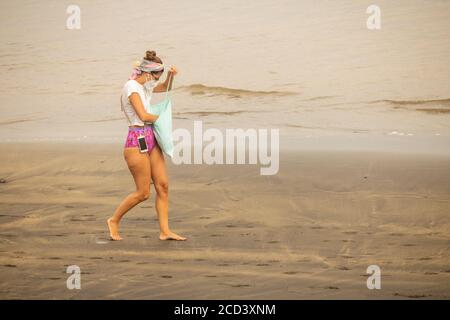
(163, 86)
(136, 102)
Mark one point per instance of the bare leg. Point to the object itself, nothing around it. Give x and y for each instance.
(161, 183)
(139, 165)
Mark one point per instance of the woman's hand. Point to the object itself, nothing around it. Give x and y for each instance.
(162, 87)
(170, 74)
(173, 71)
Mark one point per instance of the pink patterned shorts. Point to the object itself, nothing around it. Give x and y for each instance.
(133, 134)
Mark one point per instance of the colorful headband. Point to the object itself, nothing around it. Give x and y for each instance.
(146, 66)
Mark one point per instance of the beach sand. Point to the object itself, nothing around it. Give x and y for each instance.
(309, 232)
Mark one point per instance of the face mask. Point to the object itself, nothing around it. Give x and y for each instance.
(150, 84)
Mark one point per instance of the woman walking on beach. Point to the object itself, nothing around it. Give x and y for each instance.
(136, 94)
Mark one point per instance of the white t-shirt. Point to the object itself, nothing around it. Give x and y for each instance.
(126, 106)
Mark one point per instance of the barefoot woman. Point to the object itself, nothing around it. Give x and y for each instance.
(148, 165)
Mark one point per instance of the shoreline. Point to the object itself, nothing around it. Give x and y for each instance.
(430, 145)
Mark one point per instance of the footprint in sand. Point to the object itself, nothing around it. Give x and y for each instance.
(239, 285)
(344, 268)
(100, 240)
(10, 265)
(349, 232)
(414, 296)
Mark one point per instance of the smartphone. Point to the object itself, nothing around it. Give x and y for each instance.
(142, 144)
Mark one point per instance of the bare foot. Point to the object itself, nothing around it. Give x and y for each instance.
(171, 236)
(113, 230)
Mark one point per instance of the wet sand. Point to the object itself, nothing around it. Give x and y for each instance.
(309, 232)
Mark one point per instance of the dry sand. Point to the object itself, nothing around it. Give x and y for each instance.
(309, 232)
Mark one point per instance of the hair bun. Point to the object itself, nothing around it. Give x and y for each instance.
(150, 54)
